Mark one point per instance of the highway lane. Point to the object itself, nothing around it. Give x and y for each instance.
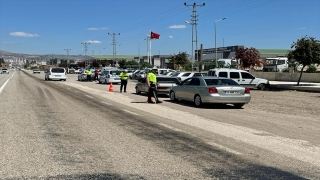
(65, 135)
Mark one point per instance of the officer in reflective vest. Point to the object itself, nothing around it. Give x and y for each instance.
(152, 84)
(89, 75)
(124, 80)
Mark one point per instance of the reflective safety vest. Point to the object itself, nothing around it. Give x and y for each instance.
(152, 77)
(89, 72)
(124, 75)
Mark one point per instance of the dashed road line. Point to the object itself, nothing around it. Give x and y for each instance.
(224, 148)
(131, 112)
(170, 127)
(89, 96)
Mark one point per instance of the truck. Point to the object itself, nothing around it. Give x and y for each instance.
(276, 64)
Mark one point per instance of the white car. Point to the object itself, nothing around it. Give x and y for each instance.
(242, 77)
(36, 71)
(110, 75)
(185, 75)
(56, 73)
(4, 71)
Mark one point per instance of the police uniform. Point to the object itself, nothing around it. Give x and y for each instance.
(124, 80)
(152, 91)
(89, 75)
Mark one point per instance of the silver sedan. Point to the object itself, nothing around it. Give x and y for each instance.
(211, 90)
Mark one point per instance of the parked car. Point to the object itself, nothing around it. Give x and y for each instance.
(55, 73)
(214, 90)
(140, 75)
(244, 78)
(82, 76)
(36, 71)
(184, 75)
(4, 71)
(163, 85)
(110, 75)
(133, 76)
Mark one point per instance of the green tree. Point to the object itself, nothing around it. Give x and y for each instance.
(145, 65)
(179, 60)
(1, 61)
(122, 63)
(306, 52)
(249, 57)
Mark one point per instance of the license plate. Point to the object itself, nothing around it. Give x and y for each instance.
(116, 78)
(57, 75)
(231, 92)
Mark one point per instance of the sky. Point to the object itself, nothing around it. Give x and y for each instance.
(60, 26)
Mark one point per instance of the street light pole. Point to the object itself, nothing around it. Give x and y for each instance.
(215, 39)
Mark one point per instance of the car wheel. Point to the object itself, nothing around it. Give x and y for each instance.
(172, 96)
(197, 101)
(238, 106)
(137, 91)
(262, 87)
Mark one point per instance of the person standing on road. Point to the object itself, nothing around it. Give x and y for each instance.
(89, 75)
(152, 85)
(96, 74)
(124, 80)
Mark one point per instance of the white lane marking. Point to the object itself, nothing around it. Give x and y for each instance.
(131, 112)
(170, 127)
(4, 84)
(293, 148)
(105, 103)
(224, 148)
(89, 96)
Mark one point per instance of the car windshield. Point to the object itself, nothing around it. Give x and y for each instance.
(175, 74)
(221, 82)
(57, 70)
(171, 80)
(115, 72)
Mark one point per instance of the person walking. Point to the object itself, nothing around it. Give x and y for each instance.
(96, 74)
(152, 85)
(88, 75)
(124, 80)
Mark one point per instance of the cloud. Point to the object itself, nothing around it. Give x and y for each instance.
(94, 41)
(170, 36)
(177, 26)
(96, 29)
(23, 34)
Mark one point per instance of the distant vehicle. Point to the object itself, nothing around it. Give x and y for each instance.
(214, 90)
(56, 73)
(110, 75)
(35, 71)
(242, 77)
(231, 63)
(277, 64)
(184, 75)
(4, 71)
(83, 76)
(164, 83)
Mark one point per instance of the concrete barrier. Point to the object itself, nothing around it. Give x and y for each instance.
(291, 77)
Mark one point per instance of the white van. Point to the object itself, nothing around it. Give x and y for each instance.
(242, 77)
(56, 73)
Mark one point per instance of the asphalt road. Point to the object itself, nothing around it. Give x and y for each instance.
(79, 130)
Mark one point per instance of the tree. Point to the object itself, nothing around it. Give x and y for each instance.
(145, 65)
(179, 59)
(306, 52)
(122, 63)
(249, 57)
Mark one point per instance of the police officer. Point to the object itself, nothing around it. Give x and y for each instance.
(124, 80)
(89, 75)
(152, 84)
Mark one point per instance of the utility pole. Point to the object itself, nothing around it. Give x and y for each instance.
(194, 20)
(85, 53)
(67, 57)
(139, 54)
(114, 44)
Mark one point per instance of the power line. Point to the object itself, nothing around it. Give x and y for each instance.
(86, 44)
(67, 55)
(194, 27)
(114, 43)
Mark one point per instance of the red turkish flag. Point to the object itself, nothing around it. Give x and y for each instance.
(154, 35)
